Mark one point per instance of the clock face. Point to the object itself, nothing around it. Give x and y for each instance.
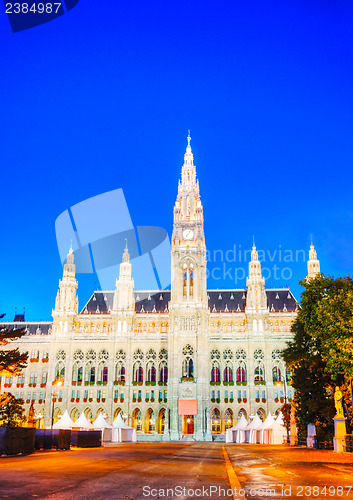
(188, 234)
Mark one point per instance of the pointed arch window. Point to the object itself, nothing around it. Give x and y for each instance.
(138, 372)
(151, 373)
(241, 374)
(163, 372)
(259, 373)
(188, 363)
(276, 374)
(228, 373)
(215, 373)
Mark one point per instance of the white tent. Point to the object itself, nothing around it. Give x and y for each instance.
(276, 433)
(101, 423)
(250, 429)
(262, 436)
(64, 422)
(279, 419)
(122, 432)
(83, 423)
(236, 433)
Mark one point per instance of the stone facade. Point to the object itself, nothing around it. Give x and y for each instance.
(181, 361)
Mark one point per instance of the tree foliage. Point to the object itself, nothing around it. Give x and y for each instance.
(11, 411)
(12, 361)
(320, 355)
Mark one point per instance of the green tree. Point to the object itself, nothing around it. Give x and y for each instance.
(11, 412)
(320, 355)
(12, 361)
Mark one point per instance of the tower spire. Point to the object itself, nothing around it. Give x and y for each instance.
(256, 296)
(66, 303)
(124, 299)
(313, 263)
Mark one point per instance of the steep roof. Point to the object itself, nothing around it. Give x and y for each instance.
(31, 327)
(278, 300)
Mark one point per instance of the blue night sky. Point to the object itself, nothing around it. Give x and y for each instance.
(102, 98)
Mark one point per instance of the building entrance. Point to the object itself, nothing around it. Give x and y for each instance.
(188, 424)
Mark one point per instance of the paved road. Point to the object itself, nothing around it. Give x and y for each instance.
(138, 471)
(119, 472)
(279, 472)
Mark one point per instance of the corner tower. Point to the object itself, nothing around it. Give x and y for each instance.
(313, 263)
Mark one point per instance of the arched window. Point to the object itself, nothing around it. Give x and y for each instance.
(120, 372)
(216, 421)
(259, 373)
(161, 421)
(163, 372)
(261, 413)
(136, 419)
(74, 414)
(92, 375)
(89, 414)
(102, 373)
(191, 274)
(276, 374)
(228, 373)
(74, 372)
(215, 372)
(188, 364)
(151, 373)
(60, 371)
(138, 372)
(241, 412)
(228, 419)
(188, 368)
(150, 421)
(185, 280)
(241, 374)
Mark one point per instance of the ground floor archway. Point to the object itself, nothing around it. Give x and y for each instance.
(188, 424)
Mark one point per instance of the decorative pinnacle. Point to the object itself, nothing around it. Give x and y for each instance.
(189, 138)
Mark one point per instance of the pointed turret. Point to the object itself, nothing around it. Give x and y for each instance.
(256, 300)
(124, 291)
(188, 205)
(313, 263)
(66, 303)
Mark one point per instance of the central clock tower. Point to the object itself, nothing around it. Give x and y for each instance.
(188, 380)
(188, 239)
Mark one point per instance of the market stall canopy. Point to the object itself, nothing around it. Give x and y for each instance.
(123, 432)
(233, 435)
(120, 424)
(83, 423)
(64, 422)
(101, 423)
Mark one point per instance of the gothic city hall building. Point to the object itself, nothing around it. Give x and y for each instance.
(183, 363)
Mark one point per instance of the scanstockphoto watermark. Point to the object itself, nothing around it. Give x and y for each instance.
(232, 264)
(212, 491)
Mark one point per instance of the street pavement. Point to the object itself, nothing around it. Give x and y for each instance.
(286, 472)
(177, 470)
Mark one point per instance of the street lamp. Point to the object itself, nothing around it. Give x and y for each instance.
(57, 383)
